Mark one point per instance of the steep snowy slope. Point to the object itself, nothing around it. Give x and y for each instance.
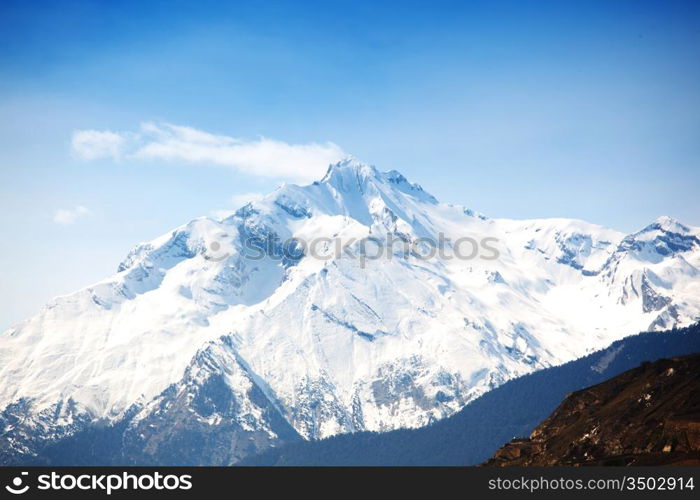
(320, 334)
(473, 434)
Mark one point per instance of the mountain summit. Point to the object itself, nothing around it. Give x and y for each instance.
(224, 337)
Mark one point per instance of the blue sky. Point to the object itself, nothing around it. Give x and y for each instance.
(516, 109)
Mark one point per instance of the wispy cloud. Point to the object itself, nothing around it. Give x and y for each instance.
(241, 199)
(237, 201)
(175, 143)
(96, 144)
(67, 216)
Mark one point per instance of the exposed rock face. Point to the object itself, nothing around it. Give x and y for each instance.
(647, 416)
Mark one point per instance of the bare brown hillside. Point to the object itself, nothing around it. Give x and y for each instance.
(646, 416)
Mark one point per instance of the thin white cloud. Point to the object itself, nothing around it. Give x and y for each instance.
(221, 214)
(67, 216)
(175, 143)
(96, 144)
(241, 199)
(237, 200)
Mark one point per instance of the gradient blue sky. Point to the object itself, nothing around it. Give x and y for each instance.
(516, 109)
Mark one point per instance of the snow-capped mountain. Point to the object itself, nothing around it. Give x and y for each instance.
(224, 337)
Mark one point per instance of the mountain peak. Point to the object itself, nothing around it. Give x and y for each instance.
(662, 238)
(351, 174)
(349, 168)
(668, 224)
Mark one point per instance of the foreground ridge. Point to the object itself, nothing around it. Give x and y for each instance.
(649, 415)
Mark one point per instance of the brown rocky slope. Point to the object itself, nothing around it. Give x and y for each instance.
(649, 415)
